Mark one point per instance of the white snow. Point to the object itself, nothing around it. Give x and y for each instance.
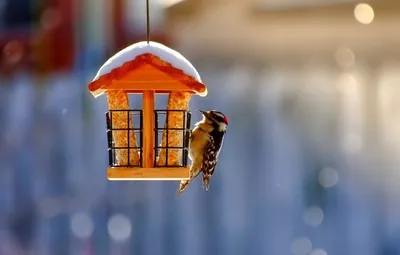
(163, 52)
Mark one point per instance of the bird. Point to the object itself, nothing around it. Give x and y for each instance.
(205, 144)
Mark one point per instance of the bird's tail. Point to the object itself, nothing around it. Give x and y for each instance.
(206, 182)
(194, 172)
(183, 186)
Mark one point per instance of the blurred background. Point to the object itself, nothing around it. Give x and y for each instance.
(310, 160)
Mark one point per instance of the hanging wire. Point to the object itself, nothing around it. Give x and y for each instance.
(148, 21)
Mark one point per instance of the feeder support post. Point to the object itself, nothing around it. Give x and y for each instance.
(148, 128)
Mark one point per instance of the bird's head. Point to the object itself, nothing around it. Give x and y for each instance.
(216, 119)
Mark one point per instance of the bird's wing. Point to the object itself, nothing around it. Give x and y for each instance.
(209, 158)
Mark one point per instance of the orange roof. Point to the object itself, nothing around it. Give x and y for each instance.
(151, 68)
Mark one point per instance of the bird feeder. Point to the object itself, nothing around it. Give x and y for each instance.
(134, 150)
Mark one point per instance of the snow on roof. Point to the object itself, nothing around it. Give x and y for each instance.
(163, 52)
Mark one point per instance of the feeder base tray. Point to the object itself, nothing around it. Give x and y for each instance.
(148, 174)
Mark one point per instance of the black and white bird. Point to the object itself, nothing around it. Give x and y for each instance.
(205, 143)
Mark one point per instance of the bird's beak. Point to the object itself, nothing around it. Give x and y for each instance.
(203, 112)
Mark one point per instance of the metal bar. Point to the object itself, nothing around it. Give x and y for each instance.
(189, 117)
(174, 166)
(166, 150)
(124, 110)
(183, 138)
(125, 129)
(110, 157)
(183, 129)
(173, 147)
(128, 122)
(125, 148)
(110, 128)
(109, 140)
(141, 139)
(155, 137)
(165, 111)
(111, 120)
(114, 154)
(124, 166)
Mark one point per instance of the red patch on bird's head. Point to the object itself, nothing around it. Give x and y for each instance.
(226, 120)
